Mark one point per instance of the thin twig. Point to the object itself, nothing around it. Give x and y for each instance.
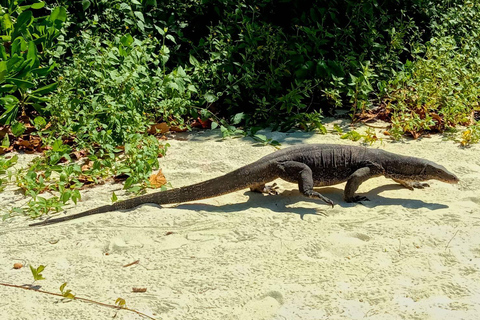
(446, 247)
(80, 299)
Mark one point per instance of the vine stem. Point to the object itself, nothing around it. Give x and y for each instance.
(79, 299)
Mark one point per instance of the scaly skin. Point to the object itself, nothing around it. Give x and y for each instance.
(310, 166)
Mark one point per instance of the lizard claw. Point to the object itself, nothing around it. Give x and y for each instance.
(271, 189)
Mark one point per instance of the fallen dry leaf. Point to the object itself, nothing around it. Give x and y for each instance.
(139, 289)
(159, 128)
(157, 179)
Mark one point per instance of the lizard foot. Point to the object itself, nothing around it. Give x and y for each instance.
(357, 199)
(315, 194)
(271, 189)
(420, 185)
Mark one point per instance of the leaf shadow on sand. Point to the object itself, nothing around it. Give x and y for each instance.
(283, 202)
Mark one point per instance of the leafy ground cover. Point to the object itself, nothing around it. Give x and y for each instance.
(89, 83)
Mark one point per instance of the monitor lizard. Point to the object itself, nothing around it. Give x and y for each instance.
(311, 165)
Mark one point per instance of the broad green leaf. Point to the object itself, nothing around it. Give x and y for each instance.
(7, 87)
(39, 122)
(46, 89)
(58, 14)
(3, 71)
(209, 97)
(38, 5)
(24, 20)
(238, 117)
(9, 100)
(128, 183)
(24, 84)
(171, 38)
(65, 196)
(85, 4)
(139, 15)
(32, 54)
(126, 40)
(6, 23)
(141, 25)
(3, 53)
(14, 64)
(5, 142)
(193, 61)
(18, 129)
(18, 45)
(38, 99)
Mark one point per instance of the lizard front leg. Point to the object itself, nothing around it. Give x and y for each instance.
(300, 172)
(412, 184)
(357, 178)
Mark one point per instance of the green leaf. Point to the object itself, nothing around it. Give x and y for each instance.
(39, 122)
(114, 197)
(171, 38)
(18, 45)
(139, 15)
(9, 100)
(65, 196)
(18, 129)
(58, 14)
(3, 70)
(24, 20)
(193, 61)
(46, 89)
(85, 4)
(140, 25)
(3, 54)
(126, 40)
(120, 302)
(6, 23)
(209, 97)
(24, 84)
(32, 54)
(63, 287)
(11, 108)
(5, 142)
(128, 182)
(43, 71)
(238, 117)
(214, 125)
(38, 5)
(37, 272)
(8, 88)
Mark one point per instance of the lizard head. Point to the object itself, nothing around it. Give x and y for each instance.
(438, 172)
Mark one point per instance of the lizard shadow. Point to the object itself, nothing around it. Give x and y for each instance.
(284, 202)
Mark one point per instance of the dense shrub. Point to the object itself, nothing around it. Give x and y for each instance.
(441, 87)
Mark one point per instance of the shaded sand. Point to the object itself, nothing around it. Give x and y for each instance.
(403, 255)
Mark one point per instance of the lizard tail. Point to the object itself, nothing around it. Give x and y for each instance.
(244, 177)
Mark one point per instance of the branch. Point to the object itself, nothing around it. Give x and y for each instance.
(80, 299)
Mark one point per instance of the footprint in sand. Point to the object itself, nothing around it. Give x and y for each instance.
(263, 308)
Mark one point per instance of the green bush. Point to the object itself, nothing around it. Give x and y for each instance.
(440, 89)
(26, 60)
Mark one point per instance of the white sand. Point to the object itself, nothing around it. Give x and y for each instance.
(403, 255)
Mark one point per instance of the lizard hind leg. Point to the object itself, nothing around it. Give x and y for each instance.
(300, 172)
(267, 189)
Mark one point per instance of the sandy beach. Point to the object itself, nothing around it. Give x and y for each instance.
(402, 255)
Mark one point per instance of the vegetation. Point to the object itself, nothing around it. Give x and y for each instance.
(88, 80)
